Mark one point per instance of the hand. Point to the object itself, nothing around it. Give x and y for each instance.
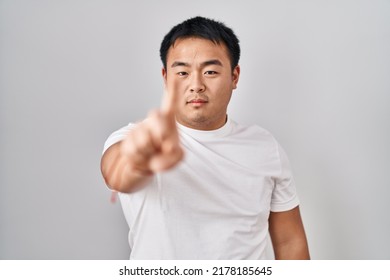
(154, 145)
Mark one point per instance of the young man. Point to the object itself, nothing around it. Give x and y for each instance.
(193, 183)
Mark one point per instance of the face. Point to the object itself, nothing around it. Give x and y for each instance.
(200, 73)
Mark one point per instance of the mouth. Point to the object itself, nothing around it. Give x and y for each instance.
(197, 101)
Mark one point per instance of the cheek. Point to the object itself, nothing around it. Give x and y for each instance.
(175, 84)
(220, 87)
(180, 87)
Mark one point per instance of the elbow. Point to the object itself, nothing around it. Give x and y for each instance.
(296, 249)
(111, 181)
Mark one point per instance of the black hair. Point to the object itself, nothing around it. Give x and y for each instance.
(200, 27)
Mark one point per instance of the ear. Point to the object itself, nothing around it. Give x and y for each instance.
(236, 76)
(164, 75)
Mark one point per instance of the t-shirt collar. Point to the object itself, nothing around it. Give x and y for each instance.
(207, 134)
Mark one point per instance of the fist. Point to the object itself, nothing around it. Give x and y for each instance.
(154, 145)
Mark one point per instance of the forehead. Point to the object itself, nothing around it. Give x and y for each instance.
(192, 49)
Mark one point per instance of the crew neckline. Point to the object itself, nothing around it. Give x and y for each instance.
(207, 134)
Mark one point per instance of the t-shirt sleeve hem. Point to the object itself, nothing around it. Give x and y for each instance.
(117, 136)
(111, 141)
(281, 207)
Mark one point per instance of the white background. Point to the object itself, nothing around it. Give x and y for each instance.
(314, 73)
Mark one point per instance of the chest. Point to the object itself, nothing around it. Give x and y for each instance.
(220, 180)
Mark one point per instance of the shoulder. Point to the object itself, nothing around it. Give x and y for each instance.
(252, 132)
(262, 140)
(117, 136)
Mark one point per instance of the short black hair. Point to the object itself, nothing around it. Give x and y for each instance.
(200, 27)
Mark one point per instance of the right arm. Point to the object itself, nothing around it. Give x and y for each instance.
(117, 172)
(151, 146)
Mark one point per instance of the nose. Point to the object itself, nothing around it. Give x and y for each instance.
(197, 84)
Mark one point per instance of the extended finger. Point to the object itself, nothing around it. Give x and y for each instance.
(170, 100)
(162, 127)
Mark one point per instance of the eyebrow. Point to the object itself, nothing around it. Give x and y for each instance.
(203, 64)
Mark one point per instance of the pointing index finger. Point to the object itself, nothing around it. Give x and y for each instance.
(170, 100)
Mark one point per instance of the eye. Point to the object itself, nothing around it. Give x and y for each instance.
(182, 74)
(210, 73)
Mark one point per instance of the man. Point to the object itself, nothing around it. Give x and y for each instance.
(193, 183)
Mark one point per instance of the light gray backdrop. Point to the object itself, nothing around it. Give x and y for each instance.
(314, 73)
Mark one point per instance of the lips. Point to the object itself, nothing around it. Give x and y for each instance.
(197, 101)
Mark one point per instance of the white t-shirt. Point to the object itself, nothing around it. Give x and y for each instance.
(215, 203)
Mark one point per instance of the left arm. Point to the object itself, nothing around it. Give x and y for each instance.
(288, 235)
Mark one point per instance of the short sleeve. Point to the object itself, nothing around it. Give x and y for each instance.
(117, 136)
(284, 196)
